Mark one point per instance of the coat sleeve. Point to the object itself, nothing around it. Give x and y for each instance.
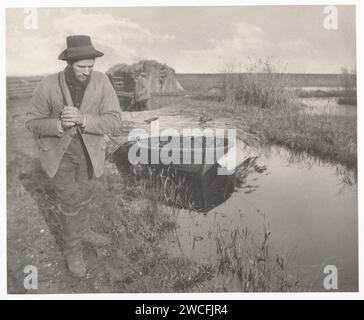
(109, 121)
(38, 119)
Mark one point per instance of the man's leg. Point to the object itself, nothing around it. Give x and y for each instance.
(69, 208)
(84, 182)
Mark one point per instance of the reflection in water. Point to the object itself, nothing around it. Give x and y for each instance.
(189, 190)
(312, 215)
(300, 159)
(310, 209)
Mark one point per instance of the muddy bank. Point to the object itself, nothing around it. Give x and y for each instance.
(140, 230)
(30, 241)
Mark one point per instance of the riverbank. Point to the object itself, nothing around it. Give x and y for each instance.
(331, 138)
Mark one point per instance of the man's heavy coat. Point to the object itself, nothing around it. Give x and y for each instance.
(102, 114)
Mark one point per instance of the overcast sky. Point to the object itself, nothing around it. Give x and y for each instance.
(190, 39)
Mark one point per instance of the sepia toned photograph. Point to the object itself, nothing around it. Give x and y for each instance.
(181, 149)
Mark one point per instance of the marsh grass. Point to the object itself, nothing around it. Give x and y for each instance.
(261, 103)
(247, 262)
(348, 93)
(143, 229)
(262, 84)
(165, 186)
(331, 137)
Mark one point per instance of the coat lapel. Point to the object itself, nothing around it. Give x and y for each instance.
(67, 96)
(65, 89)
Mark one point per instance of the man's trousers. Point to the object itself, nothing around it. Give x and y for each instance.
(73, 180)
(73, 185)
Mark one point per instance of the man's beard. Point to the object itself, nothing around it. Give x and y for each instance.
(82, 78)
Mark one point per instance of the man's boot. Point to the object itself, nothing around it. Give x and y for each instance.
(75, 262)
(72, 242)
(86, 233)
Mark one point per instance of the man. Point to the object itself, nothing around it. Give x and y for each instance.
(70, 113)
(141, 99)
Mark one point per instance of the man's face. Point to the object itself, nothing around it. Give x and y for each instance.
(83, 68)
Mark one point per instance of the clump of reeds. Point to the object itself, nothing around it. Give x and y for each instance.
(348, 92)
(186, 276)
(165, 186)
(262, 84)
(248, 265)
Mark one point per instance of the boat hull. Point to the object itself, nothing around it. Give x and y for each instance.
(196, 158)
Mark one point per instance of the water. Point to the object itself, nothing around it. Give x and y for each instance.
(316, 88)
(312, 215)
(310, 207)
(327, 106)
(324, 105)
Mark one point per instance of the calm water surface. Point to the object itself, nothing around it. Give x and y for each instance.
(328, 106)
(312, 215)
